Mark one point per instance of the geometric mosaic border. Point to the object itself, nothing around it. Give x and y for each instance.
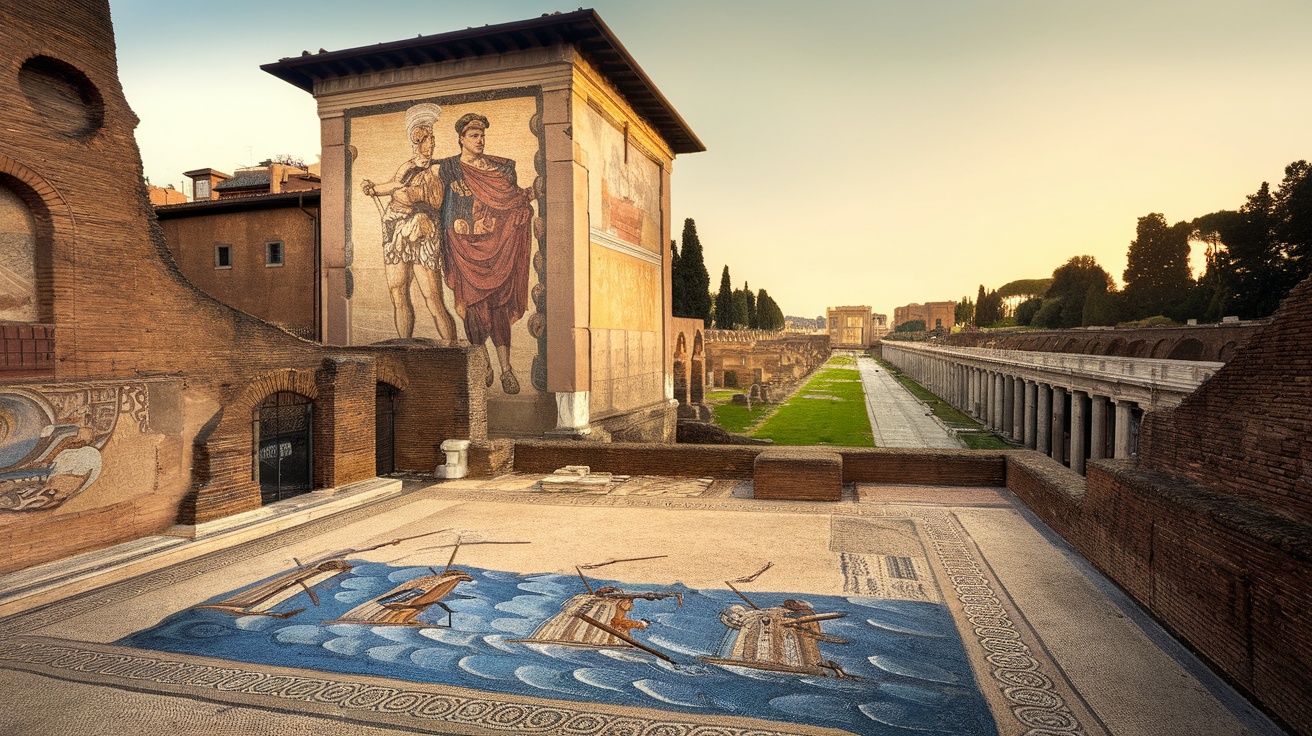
(494, 714)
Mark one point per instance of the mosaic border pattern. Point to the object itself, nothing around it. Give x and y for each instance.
(1033, 696)
(493, 714)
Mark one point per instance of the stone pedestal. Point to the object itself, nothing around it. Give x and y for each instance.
(457, 459)
(798, 474)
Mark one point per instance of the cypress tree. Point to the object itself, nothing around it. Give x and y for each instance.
(752, 321)
(678, 284)
(696, 280)
(723, 300)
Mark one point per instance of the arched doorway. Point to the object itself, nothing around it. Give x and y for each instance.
(385, 429)
(283, 434)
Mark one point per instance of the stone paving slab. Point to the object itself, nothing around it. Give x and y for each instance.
(1045, 648)
(897, 418)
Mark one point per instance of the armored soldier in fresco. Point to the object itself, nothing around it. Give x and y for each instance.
(411, 239)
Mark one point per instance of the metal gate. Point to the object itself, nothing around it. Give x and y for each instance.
(284, 434)
(385, 433)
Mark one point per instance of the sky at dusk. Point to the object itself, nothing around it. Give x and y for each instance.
(875, 152)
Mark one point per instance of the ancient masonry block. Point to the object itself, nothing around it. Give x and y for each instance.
(798, 474)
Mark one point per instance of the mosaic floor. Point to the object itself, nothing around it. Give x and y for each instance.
(651, 606)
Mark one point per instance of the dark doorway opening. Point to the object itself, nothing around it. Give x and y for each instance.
(284, 436)
(385, 430)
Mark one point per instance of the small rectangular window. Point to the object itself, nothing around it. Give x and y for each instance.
(273, 253)
(202, 188)
(223, 256)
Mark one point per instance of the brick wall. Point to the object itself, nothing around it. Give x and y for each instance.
(1246, 431)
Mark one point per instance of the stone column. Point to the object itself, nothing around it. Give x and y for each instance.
(1097, 427)
(999, 398)
(1031, 414)
(1008, 406)
(1124, 410)
(1018, 410)
(1058, 424)
(1043, 412)
(987, 389)
(1077, 431)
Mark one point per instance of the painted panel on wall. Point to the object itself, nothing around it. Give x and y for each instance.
(51, 442)
(624, 185)
(626, 292)
(17, 260)
(444, 228)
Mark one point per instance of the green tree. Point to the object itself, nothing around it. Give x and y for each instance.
(1293, 222)
(768, 314)
(1027, 309)
(988, 308)
(752, 322)
(740, 314)
(678, 285)
(964, 313)
(689, 270)
(1063, 305)
(724, 302)
(1157, 279)
(980, 299)
(915, 325)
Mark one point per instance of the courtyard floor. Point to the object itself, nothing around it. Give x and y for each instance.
(899, 610)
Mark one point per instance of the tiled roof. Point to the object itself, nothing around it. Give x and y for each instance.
(582, 29)
(245, 180)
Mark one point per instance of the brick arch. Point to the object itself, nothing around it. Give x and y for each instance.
(296, 381)
(391, 372)
(1161, 348)
(697, 344)
(1227, 351)
(55, 228)
(1187, 349)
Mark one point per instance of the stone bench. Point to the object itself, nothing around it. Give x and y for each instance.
(798, 474)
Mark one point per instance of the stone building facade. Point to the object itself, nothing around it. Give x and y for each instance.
(855, 327)
(136, 402)
(935, 315)
(572, 316)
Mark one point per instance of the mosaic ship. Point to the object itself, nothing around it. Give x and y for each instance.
(261, 599)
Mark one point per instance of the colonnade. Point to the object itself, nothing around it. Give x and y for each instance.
(1068, 407)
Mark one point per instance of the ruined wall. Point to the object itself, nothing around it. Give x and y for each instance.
(1246, 431)
(1195, 342)
(739, 358)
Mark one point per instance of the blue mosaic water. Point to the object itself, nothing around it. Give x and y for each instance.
(914, 677)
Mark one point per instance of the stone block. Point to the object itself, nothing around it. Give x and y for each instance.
(798, 474)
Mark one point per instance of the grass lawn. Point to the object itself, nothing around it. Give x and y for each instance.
(951, 416)
(829, 410)
(737, 418)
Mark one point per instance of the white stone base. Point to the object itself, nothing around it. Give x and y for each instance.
(457, 460)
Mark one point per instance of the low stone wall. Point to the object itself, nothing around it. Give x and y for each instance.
(860, 465)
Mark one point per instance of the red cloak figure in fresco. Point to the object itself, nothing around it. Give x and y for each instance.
(486, 220)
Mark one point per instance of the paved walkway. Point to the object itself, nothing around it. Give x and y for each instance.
(897, 418)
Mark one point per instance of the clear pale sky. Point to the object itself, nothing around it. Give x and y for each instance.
(875, 152)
